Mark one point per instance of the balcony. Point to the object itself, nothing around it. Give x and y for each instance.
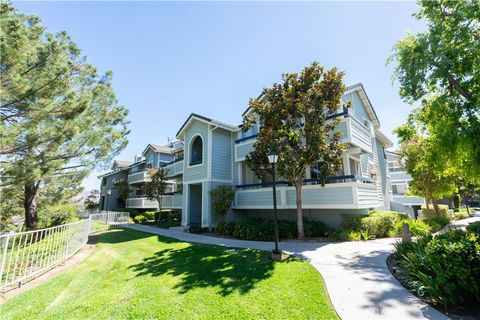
(353, 132)
(356, 133)
(138, 177)
(175, 168)
(172, 201)
(349, 193)
(141, 203)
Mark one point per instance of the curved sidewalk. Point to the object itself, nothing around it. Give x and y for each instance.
(358, 281)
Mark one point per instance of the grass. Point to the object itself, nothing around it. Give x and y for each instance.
(135, 275)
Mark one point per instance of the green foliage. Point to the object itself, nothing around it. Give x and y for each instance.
(294, 122)
(439, 67)
(263, 230)
(149, 215)
(139, 218)
(430, 213)
(156, 187)
(437, 223)
(460, 215)
(59, 117)
(445, 268)
(195, 229)
(123, 189)
(56, 215)
(418, 228)
(222, 198)
(474, 228)
(343, 235)
(377, 224)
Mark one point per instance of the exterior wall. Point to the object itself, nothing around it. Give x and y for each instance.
(221, 167)
(197, 172)
(113, 200)
(357, 106)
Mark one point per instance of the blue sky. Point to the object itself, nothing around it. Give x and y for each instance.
(172, 59)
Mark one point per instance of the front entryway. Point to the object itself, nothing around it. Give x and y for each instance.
(195, 204)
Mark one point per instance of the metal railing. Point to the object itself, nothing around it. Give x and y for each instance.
(26, 255)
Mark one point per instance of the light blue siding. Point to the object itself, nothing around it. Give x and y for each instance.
(244, 148)
(322, 196)
(196, 172)
(114, 200)
(221, 155)
(357, 106)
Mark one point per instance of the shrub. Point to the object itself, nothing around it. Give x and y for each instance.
(58, 214)
(312, 229)
(474, 228)
(437, 223)
(430, 213)
(150, 215)
(340, 235)
(445, 268)
(140, 219)
(354, 235)
(460, 215)
(417, 227)
(225, 228)
(222, 198)
(378, 224)
(195, 229)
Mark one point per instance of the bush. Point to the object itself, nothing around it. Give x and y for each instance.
(140, 219)
(313, 229)
(58, 214)
(474, 228)
(342, 235)
(195, 229)
(460, 215)
(430, 213)
(437, 223)
(225, 228)
(444, 269)
(378, 224)
(418, 228)
(150, 215)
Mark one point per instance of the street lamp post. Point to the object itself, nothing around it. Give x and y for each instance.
(109, 192)
(273, 159)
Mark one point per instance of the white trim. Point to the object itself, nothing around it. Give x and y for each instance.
(190, 151)
(209, 151)
(212, 121)
(195, 181)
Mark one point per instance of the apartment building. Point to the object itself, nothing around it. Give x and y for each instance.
(397, 182)
(211, 153)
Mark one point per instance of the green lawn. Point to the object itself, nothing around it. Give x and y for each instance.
(135, 275)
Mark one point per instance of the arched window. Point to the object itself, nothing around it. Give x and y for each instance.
(196, 151)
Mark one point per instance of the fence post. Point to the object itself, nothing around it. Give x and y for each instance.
(4, 258)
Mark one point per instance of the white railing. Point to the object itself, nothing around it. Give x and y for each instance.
(26, 255)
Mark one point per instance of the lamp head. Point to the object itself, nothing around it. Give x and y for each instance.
(272, 157)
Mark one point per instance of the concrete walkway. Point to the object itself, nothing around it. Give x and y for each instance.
(358, 281)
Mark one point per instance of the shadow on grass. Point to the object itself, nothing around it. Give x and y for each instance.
(197, 266)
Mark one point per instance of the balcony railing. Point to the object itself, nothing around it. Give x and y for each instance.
(333, 179)
(353, 132)
(172, 200)
(175, 167)
(141, 203)
(138, 177)
(354, 194)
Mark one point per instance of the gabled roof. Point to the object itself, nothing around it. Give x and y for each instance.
(158, 148)
(194, 116)
(383, 139)
(366, 102)
(122, 164)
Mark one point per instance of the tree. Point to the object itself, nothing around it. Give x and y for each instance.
(222, 198)
(123, 189)
(441, 69)
(433, 172)
(59, 117)
(156, 187)
(295, 122)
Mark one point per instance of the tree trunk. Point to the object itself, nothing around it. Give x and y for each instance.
(435, 206)
(158, 216)
(298, 193)
(30, 206)
(427, 203)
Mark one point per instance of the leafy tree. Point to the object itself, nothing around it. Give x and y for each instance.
(222, 198)
(441, 69)
(123, 189)
(59, 117)
(294, 118)
(433, 172)
(156, 187)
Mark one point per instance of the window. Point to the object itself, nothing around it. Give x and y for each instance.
(354, 167)
(196, 151)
